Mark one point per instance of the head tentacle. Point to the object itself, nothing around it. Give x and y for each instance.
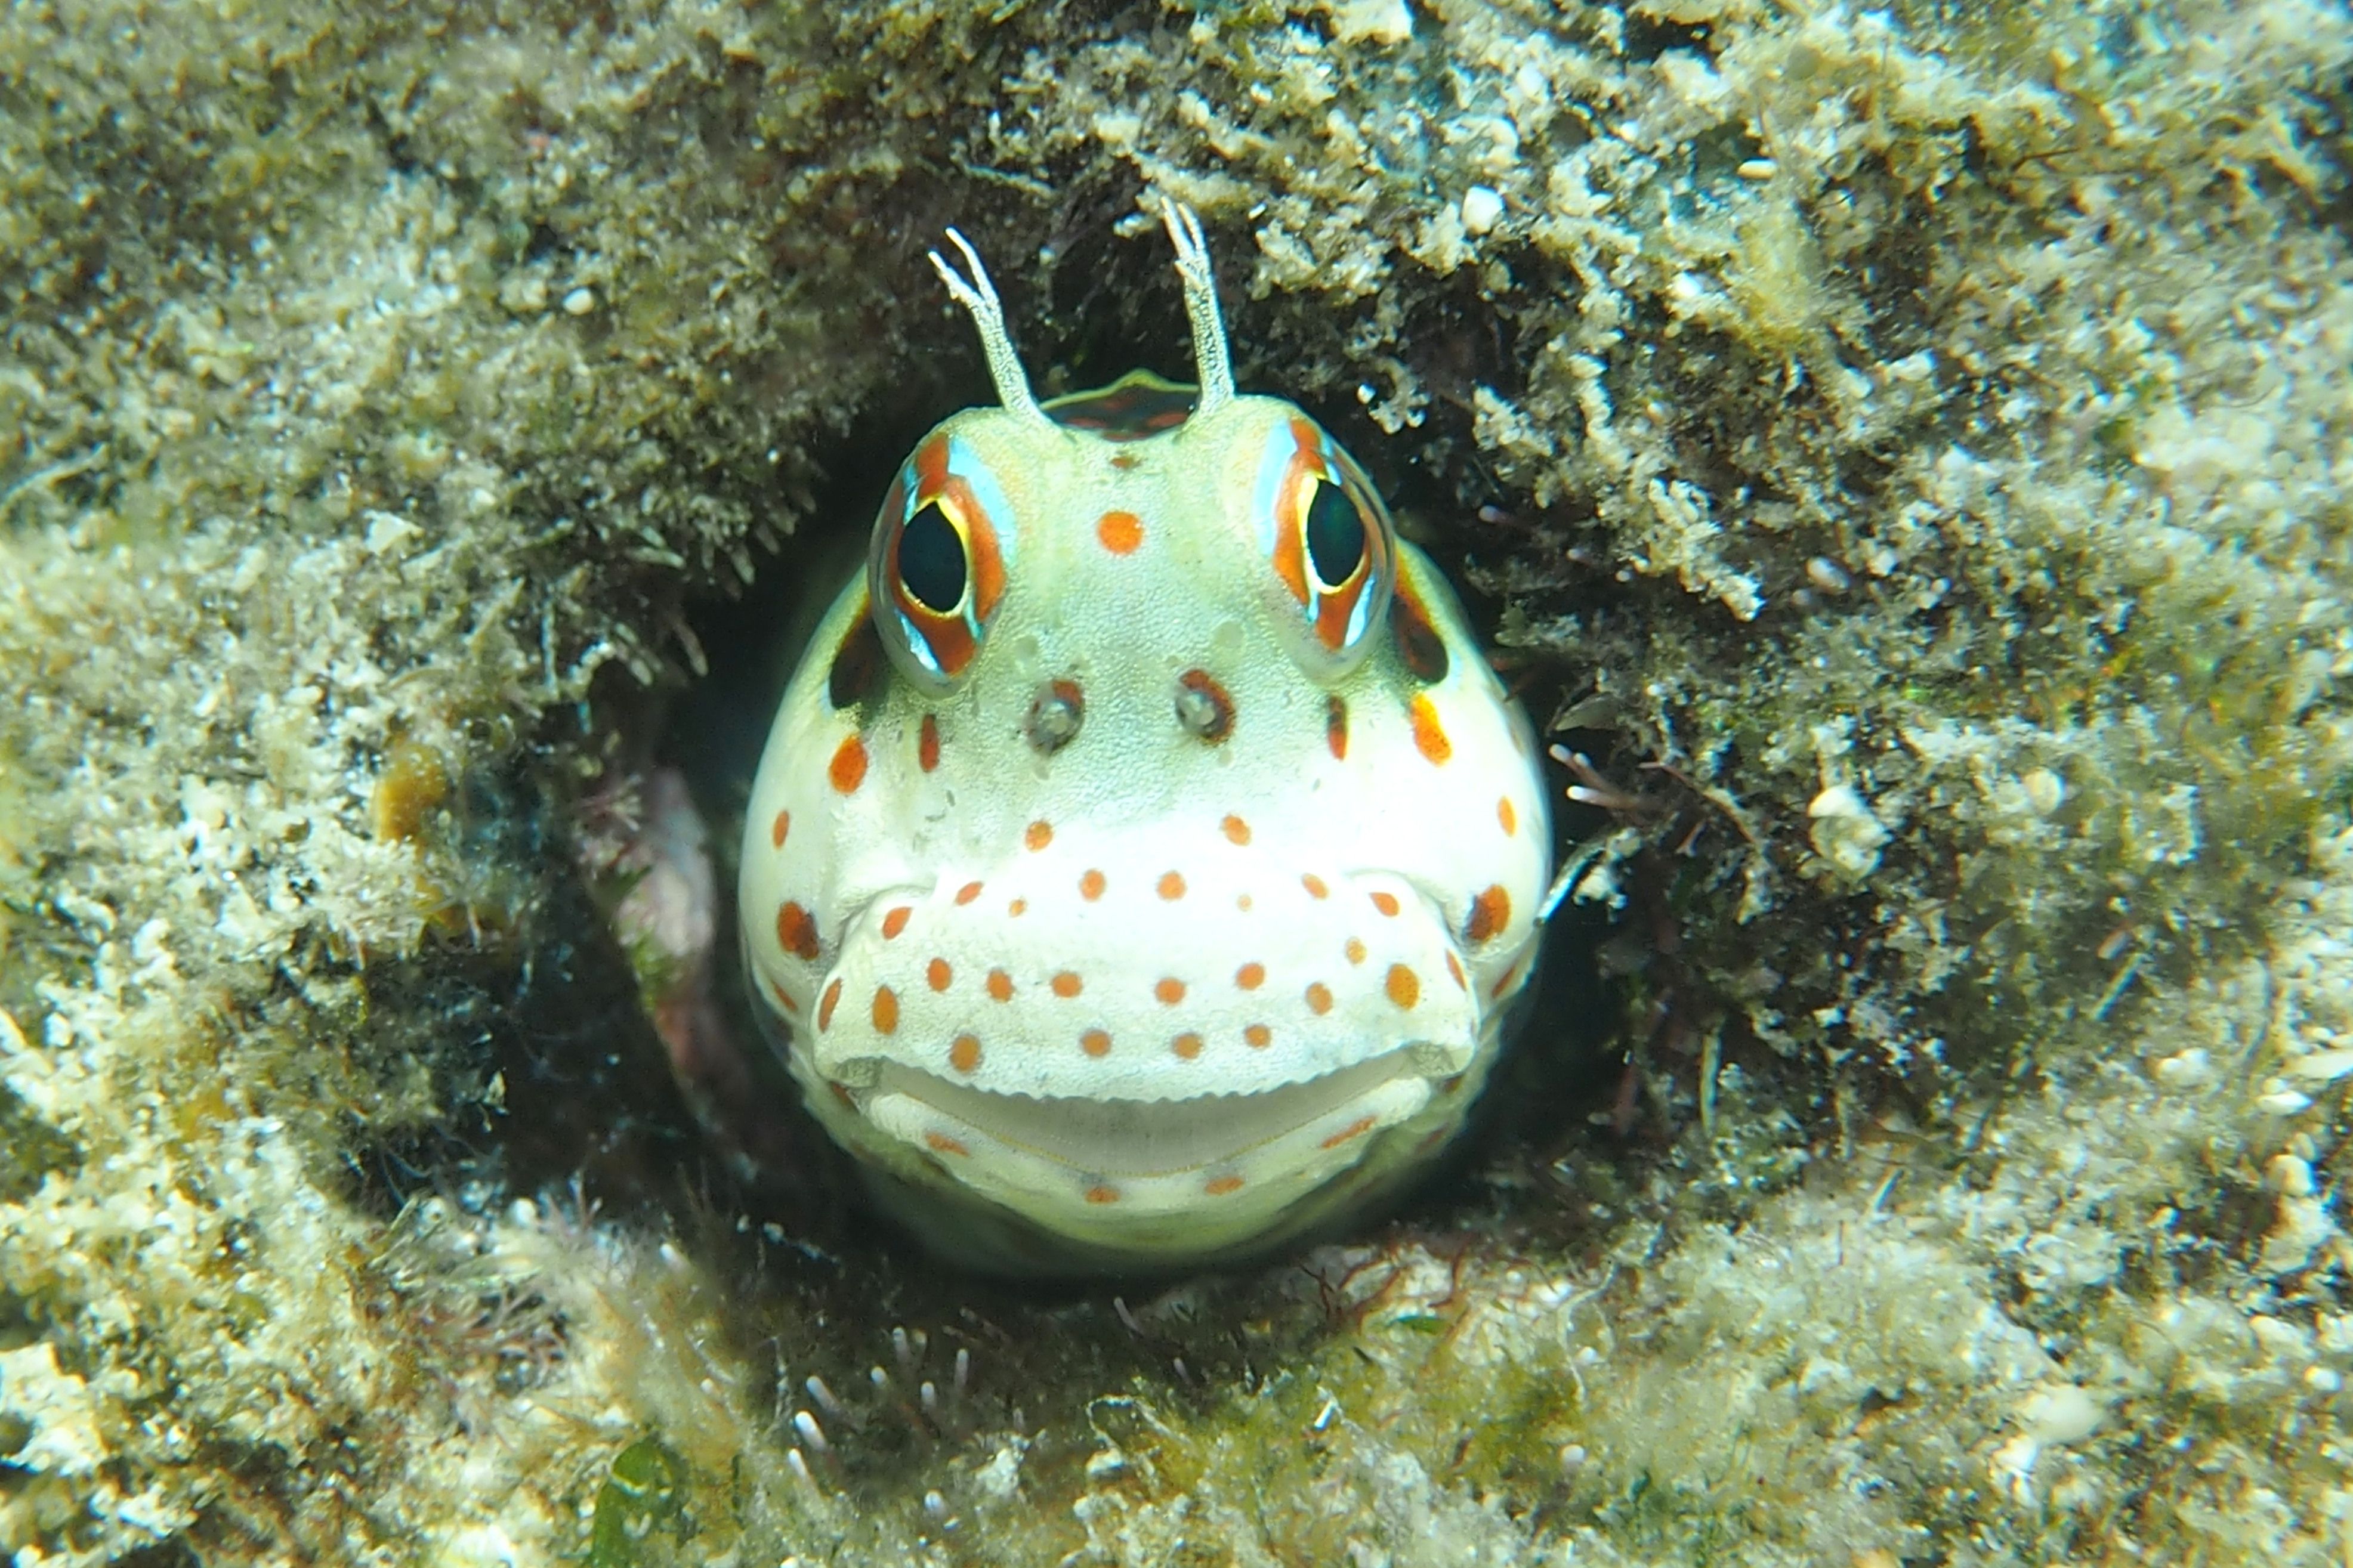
(1209, 356)
(980, 296)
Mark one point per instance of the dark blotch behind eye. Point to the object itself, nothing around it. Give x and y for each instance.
(1335, 534)
(1418, 645)
(931, 560)
(858, 666)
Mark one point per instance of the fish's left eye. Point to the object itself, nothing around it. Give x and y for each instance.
(936, 572)
(931, 561)
(1329, 542)
(1336, 535)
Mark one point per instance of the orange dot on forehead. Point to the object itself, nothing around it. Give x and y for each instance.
(1403, 985)
(1091, 886)
(1170, 990)
(1319, 998)
(1038, 835)
(938, 975)
(1095, 1043)
(1067, 985)
(896, 922)
(1120, 531)
(886, 1010)
(964, 1054)
(1236, 829)
(848, 769)
(1172, 886)
(784, 825)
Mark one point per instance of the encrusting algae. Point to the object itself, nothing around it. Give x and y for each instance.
(1906, 453)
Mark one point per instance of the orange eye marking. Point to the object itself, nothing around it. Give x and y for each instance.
(1385, 902)
(1187, 1047)
(784, 825)
(1219, 1186)
(1037, 835)
(968, 892)
(1096, 1043)
(1067, 985)
(1102, 1195)
(1319, 998)
(1237, 830)
(784, 997)
(964, 1053)
(796, 933)
(886, 1010)
(1120, 531)
(896, 922)
(1170, 992)
(825, 1003)
(1259, 1035)
(1000, 985)
(1356, 1129)
(1506, 815)
(848, 769)
(1454, 967)
(1356, 950)
(936, 974)
(1018, 907)
(1316, 885)
(1335, 726)
(1491, 911)
(1429, 734)
(1091, 886)
(1403, 985)
(1251, 976)
(1172, 886)
(927, 744)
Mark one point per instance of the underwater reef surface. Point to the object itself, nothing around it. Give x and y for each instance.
(1904, 453)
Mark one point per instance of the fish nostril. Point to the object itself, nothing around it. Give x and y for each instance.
(1203, 706)
(1055, 716)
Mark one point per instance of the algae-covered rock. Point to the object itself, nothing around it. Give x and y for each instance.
(1904, 455)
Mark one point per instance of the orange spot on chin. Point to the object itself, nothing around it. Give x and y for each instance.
(1219, 1186)
(936, 974)
(1454, 967)
(825, 1005)
(1403, 985)
(968, 892)
(1251, 976)
(1000, 985)
(796, 933)
(942, 1144)
(1095, 1043)
(1172, 886)
(1237, 830)
(1091, 886)
(1491, 911)
(1170, 992)
(1187, 1047)
(1506, 815)
(1120, 531)
(848, 769)
(784, 825)
(1356, 1129)
(927, 744)
(1356, 950)
(964, 1053)
(1100, 1195)
(1385, 902)
(1319, 998)
(1037, 835)
(886, 1010)
(896, 922)
(1259, 1035)
(1315, 886)
(1067, 985)
(1429, 734)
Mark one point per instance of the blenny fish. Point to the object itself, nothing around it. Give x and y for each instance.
(1143, 859)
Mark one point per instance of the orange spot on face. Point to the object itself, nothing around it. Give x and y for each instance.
(1251, 976)
(1067, 985)
(1219, 1186)
(886, 1010)
(896, 922)
(1491, 911)
(848, 769)
(1356, 1129)
(1242, 902)
(1506, 815)
(1102, 1195)
(1319, 998)
(936, 974)
(784, 997)
(1187, 1047)
(784, 825)
(1454, 967)
(1356, 950)
(1429, 734)
(796, 933)
(1503, 987)
(1018, 907)
(1172, 886)
(825, 1003)
(1091, 886)
(963, 1054)
(943, 1143)
(1385, 902)
(1120, 531)
(1000, 985)
(1170, 992)
(1403, 985)
(968, 892)
(927, 744)
(1237, 830)
(1335, 726)
(1315, 886)
(1095, 1043)
(1037, 835)
(1259, 1035)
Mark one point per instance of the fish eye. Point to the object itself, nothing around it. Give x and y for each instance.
(931, 561)
(1329, 542)
(1336, 535)
(936, 570)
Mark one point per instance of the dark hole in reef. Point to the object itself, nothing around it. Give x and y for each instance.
(1648, 38)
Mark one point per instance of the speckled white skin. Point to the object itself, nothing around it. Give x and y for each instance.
(1149, 999)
